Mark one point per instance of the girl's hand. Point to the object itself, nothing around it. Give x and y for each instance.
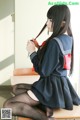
(30, 47)
(36, 43)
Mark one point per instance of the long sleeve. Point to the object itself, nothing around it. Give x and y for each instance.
(35, 60)
(50, 59)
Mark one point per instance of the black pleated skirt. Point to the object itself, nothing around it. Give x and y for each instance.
(55, 92)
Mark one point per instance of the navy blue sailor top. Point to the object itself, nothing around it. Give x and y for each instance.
(53, 89)
(53, 61)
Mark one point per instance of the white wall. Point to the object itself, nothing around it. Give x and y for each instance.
(6, 39)
(75, 18)
(6, 8)
(30, 16)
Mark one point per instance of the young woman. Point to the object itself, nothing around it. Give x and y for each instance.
(53, 90)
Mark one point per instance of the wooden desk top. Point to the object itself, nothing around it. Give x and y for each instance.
(62, 113)
(24, 72)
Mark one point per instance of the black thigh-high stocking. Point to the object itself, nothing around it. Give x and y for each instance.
(22, 105)
(21, 88)
(49, 112)
(24, 110)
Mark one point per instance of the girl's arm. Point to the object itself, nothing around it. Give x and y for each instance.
(50, 59)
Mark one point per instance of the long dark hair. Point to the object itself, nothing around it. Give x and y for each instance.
(57, 14)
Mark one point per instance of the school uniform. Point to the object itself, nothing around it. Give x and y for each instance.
(53, 89)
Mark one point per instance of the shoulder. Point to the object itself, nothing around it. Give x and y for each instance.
(53, 46)
(53, 43)
(66, 41)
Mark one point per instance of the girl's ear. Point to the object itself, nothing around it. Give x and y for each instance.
(63, 23)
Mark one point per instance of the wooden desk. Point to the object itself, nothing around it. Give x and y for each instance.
(66, 114)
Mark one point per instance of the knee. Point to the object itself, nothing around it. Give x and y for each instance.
(15, 89)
